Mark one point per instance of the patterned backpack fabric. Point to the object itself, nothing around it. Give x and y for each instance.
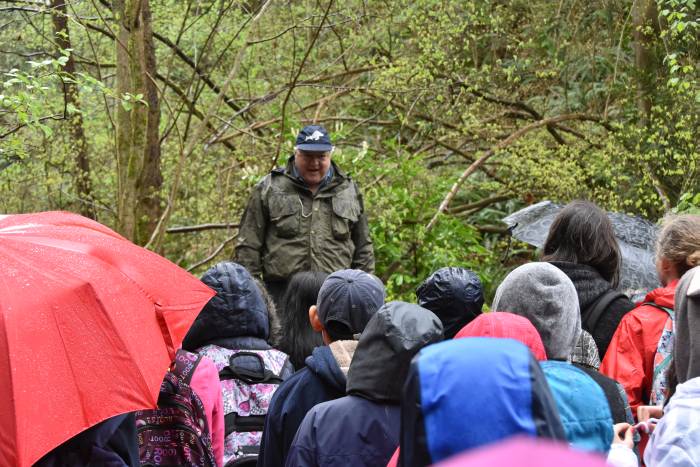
(249, 378)
(662, 360)
(176, 433)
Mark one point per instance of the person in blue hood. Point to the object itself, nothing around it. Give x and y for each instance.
(455, 295)
(362, 428)
(346, 302)
(466, 393)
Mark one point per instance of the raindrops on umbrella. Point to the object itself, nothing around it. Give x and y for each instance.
(636, 237)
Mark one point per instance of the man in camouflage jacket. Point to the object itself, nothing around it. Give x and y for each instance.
(307, 216)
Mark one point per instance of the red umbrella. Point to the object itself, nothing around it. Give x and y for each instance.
(89, 323)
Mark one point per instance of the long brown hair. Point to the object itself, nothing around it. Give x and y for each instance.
(582, 233)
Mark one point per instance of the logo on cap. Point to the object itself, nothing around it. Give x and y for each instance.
(315, 136)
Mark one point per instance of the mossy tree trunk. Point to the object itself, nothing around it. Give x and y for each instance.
(137, 120)
(76, 133)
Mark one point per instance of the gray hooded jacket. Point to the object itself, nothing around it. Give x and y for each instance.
(545, 295)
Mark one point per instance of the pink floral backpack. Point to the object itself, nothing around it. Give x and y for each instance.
(249, 378)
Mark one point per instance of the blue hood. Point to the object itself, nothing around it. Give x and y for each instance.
(323, 364)
(583, 406)
(237, 310)
(466, 393)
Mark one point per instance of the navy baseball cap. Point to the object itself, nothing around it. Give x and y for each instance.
(347, 300)
(314, 138)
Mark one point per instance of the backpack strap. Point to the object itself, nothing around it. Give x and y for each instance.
(251, 376)
(235, 423)
(668, 310)
(184, 367)
(594, 311)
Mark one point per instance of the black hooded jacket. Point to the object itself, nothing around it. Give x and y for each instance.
(320, 381)
(590, 286)
(235, 318)
(237, 311)
(455, 295)
(370, 414)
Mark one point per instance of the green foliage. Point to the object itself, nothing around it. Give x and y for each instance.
(412, 91)
(688, 203)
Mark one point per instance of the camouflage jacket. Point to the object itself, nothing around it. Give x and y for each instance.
(286, 229)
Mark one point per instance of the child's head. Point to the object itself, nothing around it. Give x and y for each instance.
(677, 246)
(347, 300)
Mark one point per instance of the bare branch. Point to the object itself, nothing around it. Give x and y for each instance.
(479, 204)
(213, 255)
(296, 78)
(199, 228)
(499, 146)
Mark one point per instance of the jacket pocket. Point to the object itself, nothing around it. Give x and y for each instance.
(346, 211)
(284, 215)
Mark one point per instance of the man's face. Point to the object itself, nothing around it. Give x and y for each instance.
(312, 166)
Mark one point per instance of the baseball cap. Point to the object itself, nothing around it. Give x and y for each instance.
(314, 138)
(347, 300)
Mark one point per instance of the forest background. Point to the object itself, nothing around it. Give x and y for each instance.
(156, 117)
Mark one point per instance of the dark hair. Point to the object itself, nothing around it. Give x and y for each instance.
(582, 233)
(273, 319)
(299, 339)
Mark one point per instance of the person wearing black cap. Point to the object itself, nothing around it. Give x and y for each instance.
(362, 428)
(306, 216)
(346, 302)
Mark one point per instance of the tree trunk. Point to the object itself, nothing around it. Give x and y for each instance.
(647, 64)
(137, 120)
(644, 17)
(77, 143)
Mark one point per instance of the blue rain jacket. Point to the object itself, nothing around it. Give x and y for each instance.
(583, 407)
(466, 393)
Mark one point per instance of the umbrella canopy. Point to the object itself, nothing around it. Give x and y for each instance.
(521, 451)
(89, 323)
(636, 237)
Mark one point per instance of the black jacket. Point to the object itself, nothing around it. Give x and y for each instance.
(111, 443)
(455, 295)
(590, 286)
(362, 429)
(235, 318)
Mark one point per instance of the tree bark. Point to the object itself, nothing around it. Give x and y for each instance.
(137, 141)
(647, 63)
(77, 144)
(644, 17)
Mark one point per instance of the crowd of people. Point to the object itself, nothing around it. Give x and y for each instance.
(336, 375)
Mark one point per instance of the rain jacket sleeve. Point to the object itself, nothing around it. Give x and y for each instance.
(251, 233)
(630, 356)
(622, 456)
(363, 257)
(205, 383)
(303, 450)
